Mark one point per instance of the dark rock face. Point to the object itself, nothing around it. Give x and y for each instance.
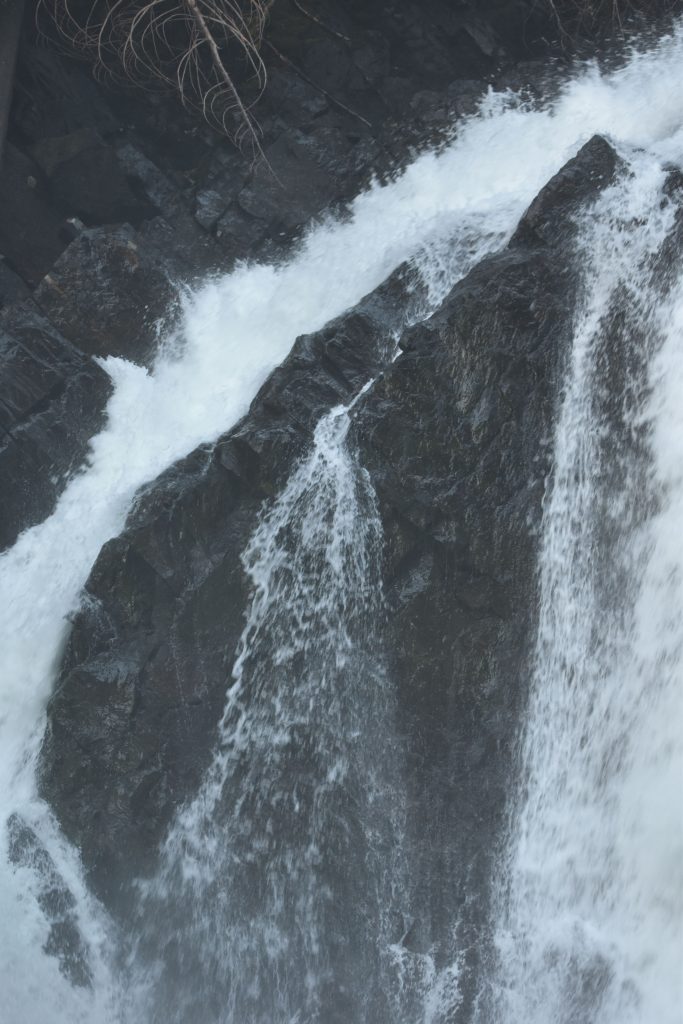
(30, 228)
(51, 402)
(134, 714)
(109, 200)
(454, 434)
(456, 437)
(109, 263)
(84, 176)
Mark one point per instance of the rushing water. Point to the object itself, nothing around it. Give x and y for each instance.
(590, 902)
(287, 848)
(587, 902)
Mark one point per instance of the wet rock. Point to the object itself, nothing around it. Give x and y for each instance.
(136, 707)
(289, 188)
(456, 435)
(64, 940)
(580, 180)
(209, 207)
(84, 292)
(237, 228)
(52, 400)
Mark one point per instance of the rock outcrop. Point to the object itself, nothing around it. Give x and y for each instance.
(52, 398)
(135, 711)
(455, 436)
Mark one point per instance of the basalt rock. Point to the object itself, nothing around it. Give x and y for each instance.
(83, 294)
(455, 436)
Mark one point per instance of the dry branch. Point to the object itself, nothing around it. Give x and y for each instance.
(200, 48)
(581, 18)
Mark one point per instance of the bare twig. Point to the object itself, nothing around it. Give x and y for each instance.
(576, 18)
(328, 95)
(319, 21)
(221, 70)
(192, 46)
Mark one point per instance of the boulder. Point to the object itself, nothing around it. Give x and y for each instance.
(108, 294)
(52, 400)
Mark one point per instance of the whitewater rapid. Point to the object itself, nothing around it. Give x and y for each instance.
(445, 212)
(589, 907)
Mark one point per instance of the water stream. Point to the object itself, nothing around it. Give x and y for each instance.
(587, 903)
(590, 901)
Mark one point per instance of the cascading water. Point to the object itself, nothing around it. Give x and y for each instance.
(590, 904)
(202, 383)
(445, 212)
(286, 850)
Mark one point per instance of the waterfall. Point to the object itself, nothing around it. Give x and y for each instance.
(286, 851)
(444, 213)
(590, 902)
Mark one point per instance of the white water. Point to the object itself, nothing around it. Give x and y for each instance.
(590, 906)
(446, 211)
(289, 833)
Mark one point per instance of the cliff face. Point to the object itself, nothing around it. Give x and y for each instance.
(107, 202)
(454, 435)
(143, 687)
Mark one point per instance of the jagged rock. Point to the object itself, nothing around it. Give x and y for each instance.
(455, 436)
(107, 294)
(289, 187)
(52, 400)
(209, 207)
(143, 684)
(582, 177)
(64, 940)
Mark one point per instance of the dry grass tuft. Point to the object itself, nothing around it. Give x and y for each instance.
(200, 48)
(581, 18)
